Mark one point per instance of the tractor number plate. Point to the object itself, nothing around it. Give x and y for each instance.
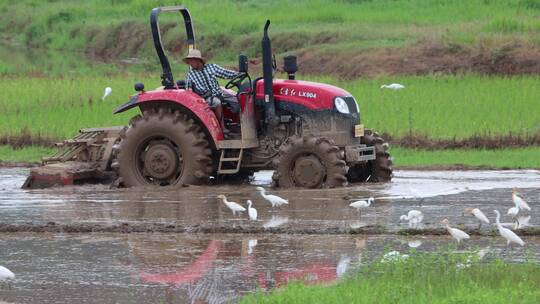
(359, 130)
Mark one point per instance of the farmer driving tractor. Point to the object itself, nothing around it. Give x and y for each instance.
(202, 79)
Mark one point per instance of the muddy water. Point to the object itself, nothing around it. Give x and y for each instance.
(182, 268)
(438, 194)
(311, 239)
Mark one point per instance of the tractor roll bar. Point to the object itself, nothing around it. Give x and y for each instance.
(268, 72)
(167, 79)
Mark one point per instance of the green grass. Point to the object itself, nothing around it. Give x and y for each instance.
(80, 28)
(26, 154)
(436, 106)
(517, 158)
(422, 278)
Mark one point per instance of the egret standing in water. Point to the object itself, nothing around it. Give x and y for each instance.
(519, 202)
(252, 212)
(107, 92)
(414, 217)
(478, 214)
(358, 205)
(231, 205)
(457, 234)
(506, 233)
(273, 199)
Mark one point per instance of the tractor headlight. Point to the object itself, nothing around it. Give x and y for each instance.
(341, 105)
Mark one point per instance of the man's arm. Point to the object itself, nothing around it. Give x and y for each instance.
(223, 73)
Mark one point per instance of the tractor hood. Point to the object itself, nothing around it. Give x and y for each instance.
(311, 95)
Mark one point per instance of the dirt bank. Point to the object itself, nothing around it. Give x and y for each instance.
(408, 141)
(425, 57)
(212, 228)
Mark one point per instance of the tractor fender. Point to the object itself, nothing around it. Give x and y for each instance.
(187, 100)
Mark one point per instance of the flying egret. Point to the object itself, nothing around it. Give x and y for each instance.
(520, 203)
(457, 234)
(232, 205)
(362, 204)
(506, 233)
(6, 274)
(393, 86)
(479, 215)
(252, 212)
(273, 199)
(414, 217)
(107, 92)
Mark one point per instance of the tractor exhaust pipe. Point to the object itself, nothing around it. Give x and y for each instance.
(268, 70)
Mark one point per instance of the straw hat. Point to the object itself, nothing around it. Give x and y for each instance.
(193, 54)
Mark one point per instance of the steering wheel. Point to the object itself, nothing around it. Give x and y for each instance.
(236, 81)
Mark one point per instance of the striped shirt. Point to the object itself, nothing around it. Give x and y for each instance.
(204, 81)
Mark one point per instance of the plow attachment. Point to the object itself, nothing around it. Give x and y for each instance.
(85, 158)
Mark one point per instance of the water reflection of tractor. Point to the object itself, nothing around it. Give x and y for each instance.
(308, 132)
(220, 270)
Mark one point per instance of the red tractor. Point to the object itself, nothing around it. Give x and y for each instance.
(308, 132)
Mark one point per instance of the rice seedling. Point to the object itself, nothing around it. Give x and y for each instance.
(437, 277)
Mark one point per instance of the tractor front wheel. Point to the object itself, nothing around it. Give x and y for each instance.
(163, 148)
(309, 162)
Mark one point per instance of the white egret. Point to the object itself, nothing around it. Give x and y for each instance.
(6, 274)
(513, 212)
(393, 86)
(107, 92)
(235, 207)
(273, 199)
(479, 215)
(520, 203)
(506, 233)
(414, 217)
(362, 204)
(457, 234)
(522, 221)
(252, 212)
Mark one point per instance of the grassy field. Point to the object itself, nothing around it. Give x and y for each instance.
(30, 154)
(118, 29)
(422, 278)
(435, 106)
(518, 158)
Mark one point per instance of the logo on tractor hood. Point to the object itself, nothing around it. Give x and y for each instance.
(292, 92)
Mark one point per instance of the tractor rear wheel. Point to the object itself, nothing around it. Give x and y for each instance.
(163, 148)
(309, 162)
(377, 170)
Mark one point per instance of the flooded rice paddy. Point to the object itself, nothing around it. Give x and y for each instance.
(92, 244)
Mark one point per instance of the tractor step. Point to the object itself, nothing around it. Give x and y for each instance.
(230, 164)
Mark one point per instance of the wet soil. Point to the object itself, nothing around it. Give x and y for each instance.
(196, 268)
(92, 244)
